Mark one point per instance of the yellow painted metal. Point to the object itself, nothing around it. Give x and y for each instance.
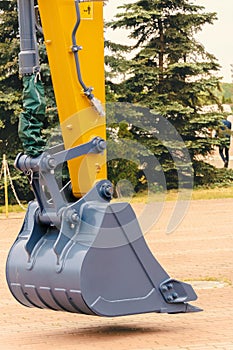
(79, 122)
(5, 185)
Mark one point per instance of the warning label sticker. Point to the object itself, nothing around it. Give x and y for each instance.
(86, 10)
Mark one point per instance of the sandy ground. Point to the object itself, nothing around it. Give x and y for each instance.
(200, 249)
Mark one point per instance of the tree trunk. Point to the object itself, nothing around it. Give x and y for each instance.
(161, 53)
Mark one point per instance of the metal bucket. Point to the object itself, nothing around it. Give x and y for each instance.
(104, 269)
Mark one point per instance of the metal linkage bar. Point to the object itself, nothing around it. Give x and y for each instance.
(47, 162)
(41, 170)
(97, 145)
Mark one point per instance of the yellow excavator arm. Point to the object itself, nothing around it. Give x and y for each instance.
(74, 39)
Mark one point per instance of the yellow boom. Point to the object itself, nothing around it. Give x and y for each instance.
(79, 121)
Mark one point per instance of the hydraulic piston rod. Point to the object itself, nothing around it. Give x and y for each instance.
(28, 57)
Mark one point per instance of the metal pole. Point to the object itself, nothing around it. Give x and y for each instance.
(29, 56)
(5, 185)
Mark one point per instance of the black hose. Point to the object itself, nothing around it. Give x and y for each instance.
(76, 49)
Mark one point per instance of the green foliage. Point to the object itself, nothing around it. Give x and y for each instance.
(11, 93)
(209, 176)
(20, 183)
(227, 93)
(171, 73)
(120, 164)
(10, 87)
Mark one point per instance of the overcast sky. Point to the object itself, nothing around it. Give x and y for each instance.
(217, 38)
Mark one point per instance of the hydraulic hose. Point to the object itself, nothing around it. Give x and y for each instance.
(76, 49)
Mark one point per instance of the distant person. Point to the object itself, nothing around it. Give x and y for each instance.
(224, 135)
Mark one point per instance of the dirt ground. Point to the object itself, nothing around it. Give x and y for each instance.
(199, 250)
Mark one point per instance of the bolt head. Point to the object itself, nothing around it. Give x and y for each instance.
(169, 298)
(52, 163)
(75, 217)
(107, 191)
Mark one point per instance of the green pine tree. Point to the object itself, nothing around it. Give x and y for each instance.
(10, 86)
(11, 89)
(171, 73)
(10, 82)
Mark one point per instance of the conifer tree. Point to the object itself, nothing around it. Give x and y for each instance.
(10, 82)
(170, 73)
(10, 87)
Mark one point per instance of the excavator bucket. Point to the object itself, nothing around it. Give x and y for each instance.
(98, 265)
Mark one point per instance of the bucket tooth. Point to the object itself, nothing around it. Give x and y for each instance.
(191, 308)
(187, 308)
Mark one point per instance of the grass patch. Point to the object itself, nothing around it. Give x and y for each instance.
(171, 195)
(12, 208)
(220, 279)
(213, 193)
